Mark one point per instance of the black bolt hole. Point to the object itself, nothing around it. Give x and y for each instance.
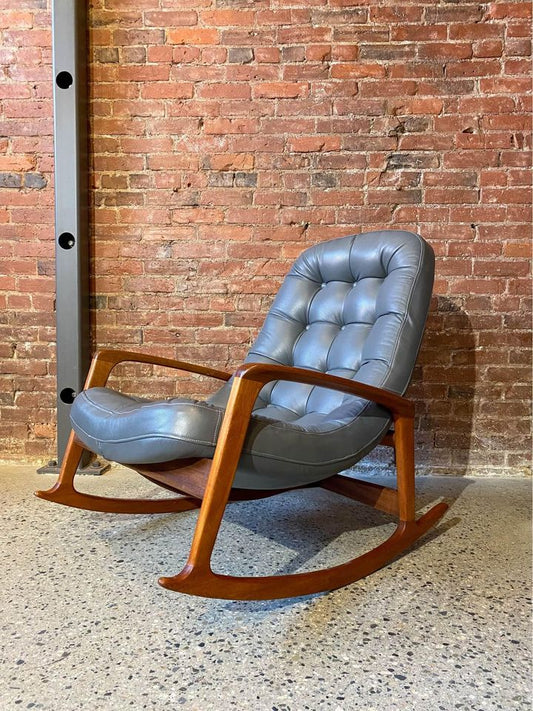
(64, 80)
(67, 396)
(66, 240)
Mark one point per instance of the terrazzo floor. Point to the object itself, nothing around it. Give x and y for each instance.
(84, 624)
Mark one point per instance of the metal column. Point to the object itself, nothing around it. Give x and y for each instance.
(69, 45)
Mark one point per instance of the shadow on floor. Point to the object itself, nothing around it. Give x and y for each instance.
(288, 533)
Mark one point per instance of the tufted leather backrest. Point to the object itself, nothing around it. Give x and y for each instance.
(354, 307)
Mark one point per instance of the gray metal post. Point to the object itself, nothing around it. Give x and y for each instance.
(69, 46)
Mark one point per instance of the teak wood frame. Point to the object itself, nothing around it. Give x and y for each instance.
(207, 484)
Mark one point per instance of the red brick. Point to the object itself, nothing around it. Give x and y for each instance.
(231, 161)
(445, 50)
(472, 69)
(396, 14)
(504, 10)
(318, 52)
(170, 18)
(486, 105)
(147, 73)
(488, 48)
(357, 70)
(184, 55)
(224, 126)
(130, 37)
(416, 106)
(522, 196)
(475, 31)
(227, 18)
(418, 32)
(501, 268)
(505, 85)
(225, 90)
(171, 90)
(267, 55)
(311, 144)
(440, 196)
(517, 249)
(304, 35)
(280, 90)
(196, 36)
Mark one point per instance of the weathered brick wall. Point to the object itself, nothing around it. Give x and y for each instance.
(227, 135)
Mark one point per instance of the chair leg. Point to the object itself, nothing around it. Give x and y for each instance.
(404, 450)
(197, 578)
(64, 492)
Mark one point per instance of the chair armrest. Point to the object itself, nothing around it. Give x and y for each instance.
(263, 373)
(105, 360)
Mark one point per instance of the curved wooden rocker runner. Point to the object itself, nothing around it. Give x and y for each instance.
(209, 483)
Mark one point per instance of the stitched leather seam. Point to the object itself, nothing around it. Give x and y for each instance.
(327, 356)
(354, 240)
(283, 316)
(149, 435)
(307, 321)
(152, 403)
(266, 455)
(409, 300)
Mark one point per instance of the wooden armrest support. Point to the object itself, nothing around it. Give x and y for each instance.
(265, 372)
(105, 360)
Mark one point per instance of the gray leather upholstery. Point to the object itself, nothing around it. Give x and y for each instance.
(354, 307)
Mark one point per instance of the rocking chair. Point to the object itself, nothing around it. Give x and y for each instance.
(318, 390)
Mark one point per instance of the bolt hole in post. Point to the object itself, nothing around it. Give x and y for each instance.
(64, 80)
(66, 240)
(67, 396)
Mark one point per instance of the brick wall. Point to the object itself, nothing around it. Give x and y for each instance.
(227, 136)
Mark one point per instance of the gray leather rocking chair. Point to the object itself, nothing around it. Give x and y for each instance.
(320, 388)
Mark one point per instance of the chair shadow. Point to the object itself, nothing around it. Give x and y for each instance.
(287, 533)
(317, 527)
(444, 389)
(311, 526)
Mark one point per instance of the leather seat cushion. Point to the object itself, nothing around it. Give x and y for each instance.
(280, 449)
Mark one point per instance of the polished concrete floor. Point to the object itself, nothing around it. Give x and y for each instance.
(84, 624)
